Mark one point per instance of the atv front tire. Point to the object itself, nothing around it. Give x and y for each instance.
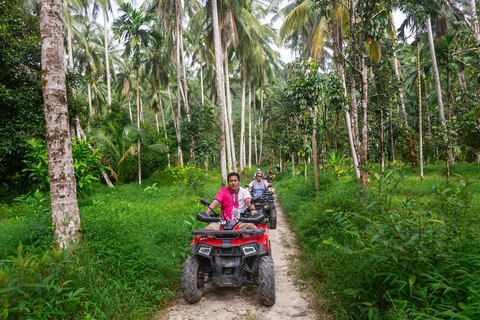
(192, 280)
(266, 278)
(273, 219)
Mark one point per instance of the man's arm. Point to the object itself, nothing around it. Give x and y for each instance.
(212, 206)
(250, 206)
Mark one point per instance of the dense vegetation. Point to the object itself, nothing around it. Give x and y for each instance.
(403, 249)
(144, 102)
(135, 240)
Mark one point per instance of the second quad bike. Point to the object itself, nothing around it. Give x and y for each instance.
(230, 257)
(266, 203)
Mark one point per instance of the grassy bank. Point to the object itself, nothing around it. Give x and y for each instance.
(403, 249)
(135, 239)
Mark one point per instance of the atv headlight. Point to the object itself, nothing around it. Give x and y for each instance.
(205, 250)
(248, 250)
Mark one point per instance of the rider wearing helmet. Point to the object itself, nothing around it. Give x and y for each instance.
(259, 185)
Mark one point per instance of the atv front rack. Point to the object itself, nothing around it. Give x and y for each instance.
(250, 232)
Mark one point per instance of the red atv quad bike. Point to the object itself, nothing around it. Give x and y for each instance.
(230, 257)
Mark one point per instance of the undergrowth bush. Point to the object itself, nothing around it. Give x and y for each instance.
(135, 240)
(377, 255)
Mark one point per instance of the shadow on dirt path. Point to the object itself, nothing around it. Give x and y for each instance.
(244, 302)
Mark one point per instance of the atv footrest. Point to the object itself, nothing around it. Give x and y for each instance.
(250, 232)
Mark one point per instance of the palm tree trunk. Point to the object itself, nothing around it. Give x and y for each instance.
(255, 129)
(293, 164)
(392, 144)
(138, 128)
(229, 113)
(220, 87)
(260, 127)
(69, 40)
(364, 101)
(314, 150)
(420, 131)
(410, 143)
(63, 192)
(348, 123)
(382, 141)
(201, 85)
(438, 90)
(179, 90)
(249, 122)
(242, 121)
(164, 127)
(107, 62)
(227, 142)
(90, 109)
(176, 126)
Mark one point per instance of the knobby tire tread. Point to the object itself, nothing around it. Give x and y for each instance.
(192, 293)
(266, 278)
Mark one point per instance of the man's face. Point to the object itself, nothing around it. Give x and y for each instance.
(233, 184)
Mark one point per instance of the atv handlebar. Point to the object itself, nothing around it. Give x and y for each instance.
(205, 217)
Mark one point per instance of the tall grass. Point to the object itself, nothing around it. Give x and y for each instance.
(402, 249)
(135, 239)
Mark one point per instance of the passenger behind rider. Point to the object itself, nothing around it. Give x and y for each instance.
(258, 186)
(232, 199)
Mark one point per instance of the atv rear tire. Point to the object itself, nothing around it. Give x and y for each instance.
(192, 280)
(266, 278)
(273, 219)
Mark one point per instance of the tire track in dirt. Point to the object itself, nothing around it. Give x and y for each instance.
(243, 303)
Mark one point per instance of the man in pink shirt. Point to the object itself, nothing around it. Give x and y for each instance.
(234, 201)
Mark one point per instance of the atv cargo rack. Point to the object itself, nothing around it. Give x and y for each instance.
(250, 232)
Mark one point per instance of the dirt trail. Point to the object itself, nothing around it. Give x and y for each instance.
(244, 302)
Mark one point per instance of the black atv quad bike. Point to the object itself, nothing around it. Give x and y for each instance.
(266, 203)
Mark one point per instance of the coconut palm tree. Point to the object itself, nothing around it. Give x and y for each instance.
(135, 29)
(63, 194)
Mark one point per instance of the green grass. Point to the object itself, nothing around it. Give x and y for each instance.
(128, 264)
(363, 253)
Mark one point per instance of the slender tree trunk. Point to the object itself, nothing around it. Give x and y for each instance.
(220, 87)
(69, 40)
(260, 126)
(178, 28)
(107, 62)
(420, 132)
(242, 121)
(201, 85)
(138, 127)
(392, 144)
(249, 122)
(255, 128)
(90, 109)
(126, 93)
(293, 164)
(438, 90)
(314, 150)
(63, 192)
(410, 142)
(435, 73)
(164, 127)
(229, 113)
(363, 146)
(382, 142)
(338, 51)
(227, 142)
